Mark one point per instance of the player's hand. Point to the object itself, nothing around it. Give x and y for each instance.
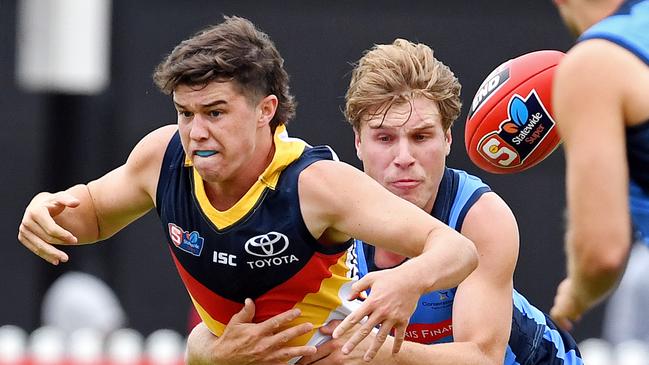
(391, 302)
(244, 342)
(329, 352)
(567, 308)
(38, 231)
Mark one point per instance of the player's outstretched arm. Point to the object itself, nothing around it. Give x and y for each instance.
(588, 99)
(86, 213)
(339, 201)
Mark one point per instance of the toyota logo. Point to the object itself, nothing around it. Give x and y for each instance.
(267, 245)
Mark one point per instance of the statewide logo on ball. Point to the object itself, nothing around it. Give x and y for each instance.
(517, 137)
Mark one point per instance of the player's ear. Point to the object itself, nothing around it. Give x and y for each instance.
(357, 144)
(448, 137)
(267, 108)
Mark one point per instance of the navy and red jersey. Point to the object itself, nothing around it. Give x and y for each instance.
(260, 248)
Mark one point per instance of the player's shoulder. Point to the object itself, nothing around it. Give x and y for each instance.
(332, 183)
(324, 174)
(325, 168)
(593, 74)
(492, 227)
(490, 206)
(160, 136)
(150, 150)
(594, 60)
(156, 140)
(489, 214)
(465, 178)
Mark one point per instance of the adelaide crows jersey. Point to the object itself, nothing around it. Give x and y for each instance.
(260, 248)
(629, 28)
(534, 338)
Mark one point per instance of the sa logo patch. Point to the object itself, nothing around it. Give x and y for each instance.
(189, 242)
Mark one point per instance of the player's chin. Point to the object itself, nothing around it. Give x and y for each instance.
(414, 195)
(210, 172)
(400, 191)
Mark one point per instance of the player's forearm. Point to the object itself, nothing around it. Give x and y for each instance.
(598, 238)
(595, 274)
(455, 353)
(202, 347)
(81, 221)
(448, 258)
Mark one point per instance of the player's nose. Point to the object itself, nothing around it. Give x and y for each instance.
(199, 129)
(403, 154)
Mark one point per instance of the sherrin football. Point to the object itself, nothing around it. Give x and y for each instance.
(510, 126)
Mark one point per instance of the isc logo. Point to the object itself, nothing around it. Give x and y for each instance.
(224, 258)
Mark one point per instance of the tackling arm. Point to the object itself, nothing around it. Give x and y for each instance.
(482, 309)
(339, 201)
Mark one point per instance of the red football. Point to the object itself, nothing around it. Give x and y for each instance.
(510, 126)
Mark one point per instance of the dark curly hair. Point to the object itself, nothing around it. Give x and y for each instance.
(233, 50)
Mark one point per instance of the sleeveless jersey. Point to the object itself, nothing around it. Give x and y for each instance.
(534, 338)
(629, 28)
(260, 248)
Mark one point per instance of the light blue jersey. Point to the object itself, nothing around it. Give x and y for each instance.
(534, 338)
(629, 28)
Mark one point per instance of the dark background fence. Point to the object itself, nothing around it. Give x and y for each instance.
(51, 141)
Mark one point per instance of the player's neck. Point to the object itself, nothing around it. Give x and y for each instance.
(223, 195)
(593, 12)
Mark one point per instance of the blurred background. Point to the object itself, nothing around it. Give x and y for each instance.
(57, 131)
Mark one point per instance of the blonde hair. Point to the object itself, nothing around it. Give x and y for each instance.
(397, 73)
